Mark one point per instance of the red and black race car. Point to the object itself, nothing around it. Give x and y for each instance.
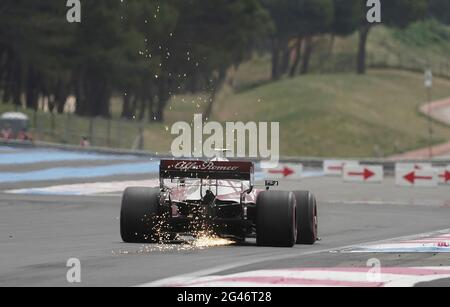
(218, 197)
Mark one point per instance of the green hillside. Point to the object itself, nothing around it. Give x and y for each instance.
(342, 114)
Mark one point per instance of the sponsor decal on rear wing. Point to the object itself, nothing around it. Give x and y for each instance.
(214, 170)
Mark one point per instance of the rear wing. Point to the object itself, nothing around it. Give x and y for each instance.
(214, 170)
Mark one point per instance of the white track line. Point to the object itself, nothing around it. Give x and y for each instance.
(292, 254)
(339, 277)
(87, 188)
(438, 242)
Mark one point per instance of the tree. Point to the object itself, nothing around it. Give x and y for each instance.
(144, 51)
(214, 36)
(295, 20)
(346, 17)
(104, 48)
(346, 20)
(439, 9)
(32, 63)
(394, 13)
(315, 17)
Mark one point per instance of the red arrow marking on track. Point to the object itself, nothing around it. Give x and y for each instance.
(285, 172)
(366, 174)
(411, 177)
(446, 176)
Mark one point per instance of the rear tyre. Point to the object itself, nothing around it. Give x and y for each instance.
(138, 216)
(276, 224)
(307, 221)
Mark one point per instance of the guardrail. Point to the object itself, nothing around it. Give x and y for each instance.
(90, 149)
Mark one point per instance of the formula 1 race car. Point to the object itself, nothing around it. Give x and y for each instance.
(220, 198)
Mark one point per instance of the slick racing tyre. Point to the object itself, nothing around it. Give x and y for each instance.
(276, 224)
(138, 216)
(307, 221)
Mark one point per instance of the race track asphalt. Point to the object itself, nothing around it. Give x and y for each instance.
(39, 233)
